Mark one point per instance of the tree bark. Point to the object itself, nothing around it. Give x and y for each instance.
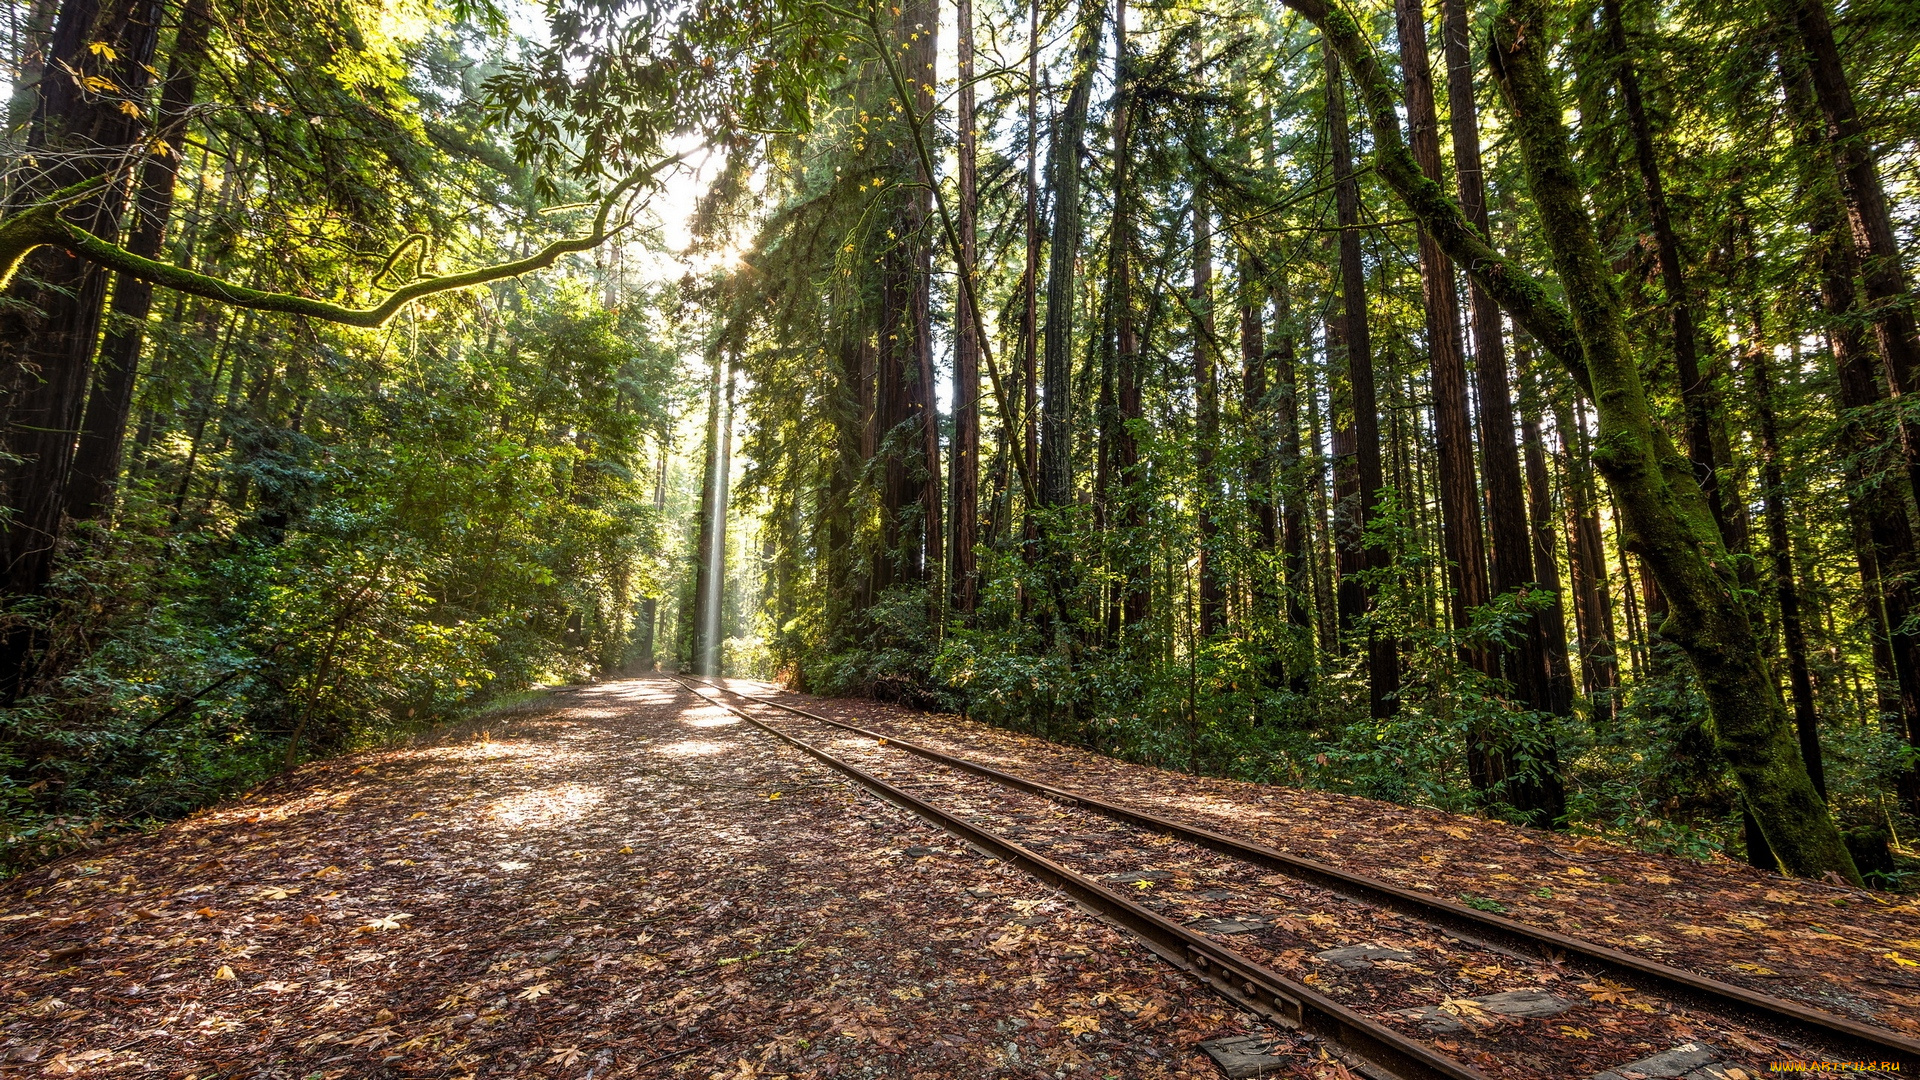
(1536, 665)
(710, 543)
(1546, 565)
(1206, 392)
(1295, 566)
(1883, 535)
(1136, 576)
(1786, 592)
(1882, 271)
(1063, 257)
(1256, 415)
(1461, 538)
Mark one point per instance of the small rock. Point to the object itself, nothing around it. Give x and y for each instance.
(1689, 1060)
(1244, 1055)
(1528, 1003)
(1225, 926)
(1360, 957)
(1139, 875)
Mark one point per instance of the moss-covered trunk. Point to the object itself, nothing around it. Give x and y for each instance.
(1668, 521)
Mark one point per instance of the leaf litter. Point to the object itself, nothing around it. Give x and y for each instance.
(598, 885)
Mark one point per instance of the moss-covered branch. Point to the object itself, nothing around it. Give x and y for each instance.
(41, 224)
(33, 227)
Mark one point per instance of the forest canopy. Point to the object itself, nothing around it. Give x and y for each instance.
(1498, 407)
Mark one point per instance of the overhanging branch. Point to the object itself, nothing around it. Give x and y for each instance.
(41, 225)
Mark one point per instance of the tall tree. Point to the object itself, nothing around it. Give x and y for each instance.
(1882, 269)
(86, 124)
(1205, 374)
(963, 490)
(1135, 579)
(1294, 477)
(1383, 654)
(1697, 394)
(1512, 564)
(1063, 256)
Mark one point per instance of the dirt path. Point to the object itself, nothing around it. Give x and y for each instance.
(621, 881)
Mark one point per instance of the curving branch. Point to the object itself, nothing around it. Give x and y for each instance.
(41, 225)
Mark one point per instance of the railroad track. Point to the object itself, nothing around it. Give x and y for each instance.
(1404, 1016)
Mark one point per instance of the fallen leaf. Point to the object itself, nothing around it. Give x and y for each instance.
(1080, 1025)
(1608, 992)
(389, 922)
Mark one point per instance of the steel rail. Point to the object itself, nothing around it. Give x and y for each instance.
(1371, 1047)
(1825, 1030)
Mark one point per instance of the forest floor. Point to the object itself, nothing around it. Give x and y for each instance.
(623, 880)
(618, 881)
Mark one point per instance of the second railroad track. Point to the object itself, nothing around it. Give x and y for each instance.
(1401, 984)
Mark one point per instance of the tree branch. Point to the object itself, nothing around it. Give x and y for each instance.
(41, 225)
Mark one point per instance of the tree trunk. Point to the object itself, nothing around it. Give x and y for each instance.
(1461, 537)
(1030, 283)
(909, 436)
(1537, 665)
(1546, 565)
(1820, 103)
(1383, 656)
(1206, 393)
(1786, 592)
(1489, 763)
(1882, 270)
(964, 490)
(924, 17)
(709, 586)
(1136, 576)
(96, 464)
(1327, 611)
(1256, 415)
(1587, 567)
(1883, 535)
(650, 607)
(1296, 571)
(1063, 256)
